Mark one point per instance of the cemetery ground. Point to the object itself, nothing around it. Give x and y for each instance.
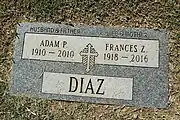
(164, 14)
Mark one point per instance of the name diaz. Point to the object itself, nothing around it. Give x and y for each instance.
(85, 86)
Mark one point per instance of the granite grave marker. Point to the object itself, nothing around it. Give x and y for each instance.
(91, 64)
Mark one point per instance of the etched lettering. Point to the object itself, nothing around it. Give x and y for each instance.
(48, 43)
(142, 49)
(71, 84)
(89, 87)
(99, 88)
(121, 47)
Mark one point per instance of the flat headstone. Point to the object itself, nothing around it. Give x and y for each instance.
(91, 64)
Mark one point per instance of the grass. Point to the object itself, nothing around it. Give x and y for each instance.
(126, 13)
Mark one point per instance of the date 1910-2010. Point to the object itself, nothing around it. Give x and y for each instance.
(61, 53)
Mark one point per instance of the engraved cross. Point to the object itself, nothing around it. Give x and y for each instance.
(89, 54)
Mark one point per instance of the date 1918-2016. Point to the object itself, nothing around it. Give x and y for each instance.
(133, 58)
(61, 53)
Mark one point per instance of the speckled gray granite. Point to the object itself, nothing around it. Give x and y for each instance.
(150, 84)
